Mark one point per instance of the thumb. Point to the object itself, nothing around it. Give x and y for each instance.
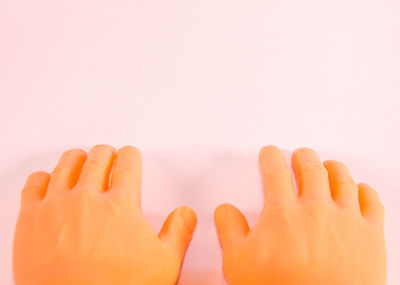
(178, 229)
(231, 224)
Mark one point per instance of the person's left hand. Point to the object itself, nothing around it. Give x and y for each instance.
(76, 227)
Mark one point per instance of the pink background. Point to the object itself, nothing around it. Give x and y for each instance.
(199, 87)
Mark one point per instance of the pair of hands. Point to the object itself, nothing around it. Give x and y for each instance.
(83, 224)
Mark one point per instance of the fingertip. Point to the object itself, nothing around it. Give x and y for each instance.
(37, 178)
(230, 223)
(269, 147)
(131, 149)
(371, 205)
(177, 230)
(221, 212)
(304, 153)
(265, 150)
(126, 175)
(35, 186)
(270, 154)
(78, 151)
(219, 208)
(303, 149)
(366, 186)
(276, 175)
(368, 193)
(129, 157)
(310, 174)
(66, 173)
(189, 217)
(336, 163)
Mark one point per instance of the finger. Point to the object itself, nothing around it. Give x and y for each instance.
(67, 170)
(231, 225)
(127, 173)
(178, 229)
(311, 176)
(344, 189)
(35, 187)
(370, 205)
(276, 176)
(96, 169)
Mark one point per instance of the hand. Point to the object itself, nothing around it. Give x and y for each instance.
(76, 227)
(331, 233)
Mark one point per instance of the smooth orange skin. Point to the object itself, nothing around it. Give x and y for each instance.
(307, 239)
(77, 230)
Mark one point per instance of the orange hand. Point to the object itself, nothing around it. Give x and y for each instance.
(331, 233)
(74, 229)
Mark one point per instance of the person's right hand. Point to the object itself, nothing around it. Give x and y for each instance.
(331, 233)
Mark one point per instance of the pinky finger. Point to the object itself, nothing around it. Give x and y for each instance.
(370, 205)
(35, 187)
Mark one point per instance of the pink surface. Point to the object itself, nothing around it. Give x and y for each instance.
(200, 86)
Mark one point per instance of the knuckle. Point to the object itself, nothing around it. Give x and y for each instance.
(313, 168)
(316, 206)
(124, 170)
(97, 161)
(278, 172)
(60, 170)
(94, 163)
(345, 180)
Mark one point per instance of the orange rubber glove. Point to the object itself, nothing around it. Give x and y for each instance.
(77, 228)
(331, 233)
